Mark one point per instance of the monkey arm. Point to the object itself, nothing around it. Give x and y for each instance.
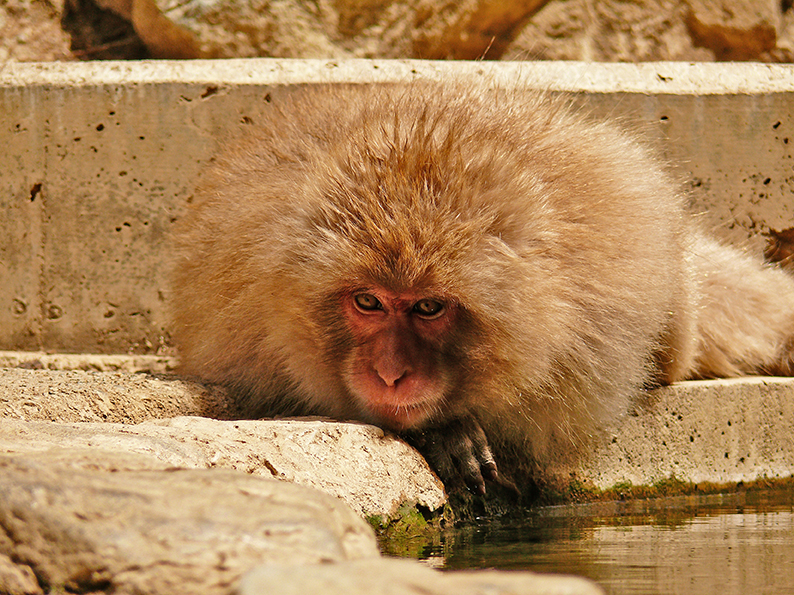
(458, 451)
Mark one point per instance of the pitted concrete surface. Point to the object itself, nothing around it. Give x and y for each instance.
(720, 431)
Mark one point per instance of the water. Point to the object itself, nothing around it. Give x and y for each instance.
(735, 544)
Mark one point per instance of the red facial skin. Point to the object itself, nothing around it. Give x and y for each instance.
(396, 369)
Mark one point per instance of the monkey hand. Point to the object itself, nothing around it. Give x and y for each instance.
(459, 453)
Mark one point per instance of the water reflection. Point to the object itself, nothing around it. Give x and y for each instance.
(738, 544)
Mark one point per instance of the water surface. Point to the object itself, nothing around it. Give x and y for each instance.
(733, 544)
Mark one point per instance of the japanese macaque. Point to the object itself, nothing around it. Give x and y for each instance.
(484, 270)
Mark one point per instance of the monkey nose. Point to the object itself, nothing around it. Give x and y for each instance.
(390, 375)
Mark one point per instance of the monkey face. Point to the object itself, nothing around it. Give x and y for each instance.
(396, 371)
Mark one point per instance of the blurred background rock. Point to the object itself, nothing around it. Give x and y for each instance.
(590, 30)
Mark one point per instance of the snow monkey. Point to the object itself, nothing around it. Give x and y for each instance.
(485, 269)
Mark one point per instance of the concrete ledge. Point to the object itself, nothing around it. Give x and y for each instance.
(716, 431)
(100, 159)
(40, 360)
(116, 397)
(649, 78)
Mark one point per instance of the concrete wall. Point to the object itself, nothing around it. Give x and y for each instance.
(97, 160)
(719, 431)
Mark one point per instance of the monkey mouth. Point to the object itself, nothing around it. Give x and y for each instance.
(406, 405)
(399, 416)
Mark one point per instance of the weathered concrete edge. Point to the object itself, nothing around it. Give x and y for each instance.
(651, 78)
(41, 360)
(723, 432)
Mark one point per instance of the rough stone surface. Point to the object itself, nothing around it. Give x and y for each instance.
(735, 30)
(401, 577)
(656, 30)
(341, 29)
(30, 30)
(16, 579)
(785, 38)
(39, 360)
(637, 31)
(77, 395)
(610, 30)
(373, 473)
(472, 30)
(190, 505)
(719, 431)
(180, 531)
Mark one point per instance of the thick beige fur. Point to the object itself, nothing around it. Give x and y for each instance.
(580, 275)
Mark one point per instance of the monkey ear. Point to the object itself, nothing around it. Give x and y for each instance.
(459, 453)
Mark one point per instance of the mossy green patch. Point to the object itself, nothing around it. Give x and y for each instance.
(410, 531)
(577, 491)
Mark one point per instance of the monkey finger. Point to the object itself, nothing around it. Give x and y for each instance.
(459, 453)
(447, 468)
(479, 455)
(481, 451)
(464, 453)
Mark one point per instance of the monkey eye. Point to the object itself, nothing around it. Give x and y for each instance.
(428, 308)
(366, 302)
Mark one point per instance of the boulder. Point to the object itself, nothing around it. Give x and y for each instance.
(403, 577)
(374, 473)
(159, 531)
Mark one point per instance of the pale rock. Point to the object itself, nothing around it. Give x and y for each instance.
(404, 577)
(375, 473)
(157, 531)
